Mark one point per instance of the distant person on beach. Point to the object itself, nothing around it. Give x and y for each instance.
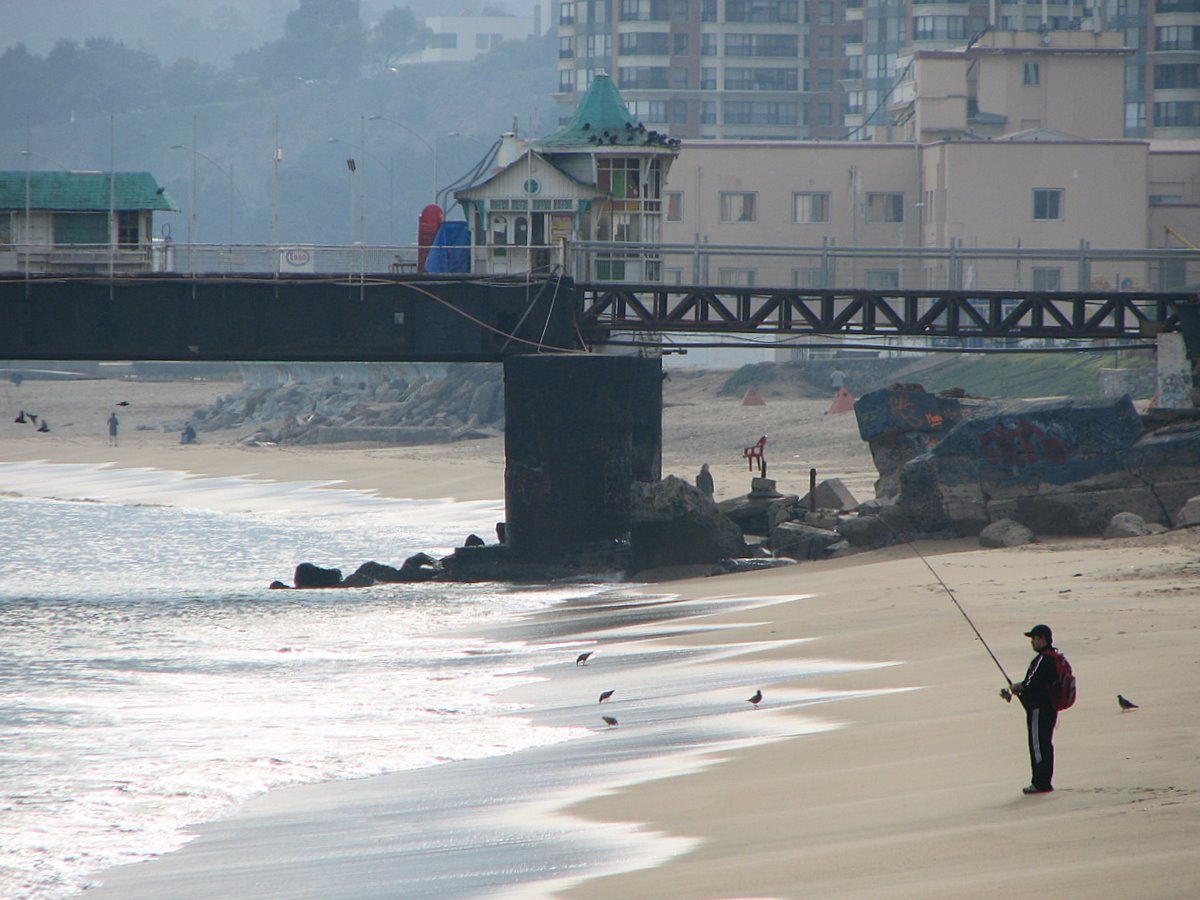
(704, 480)
(112, 429)
(188, 435)
(837, 378)
(1040, 713)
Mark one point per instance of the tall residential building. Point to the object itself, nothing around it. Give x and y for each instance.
(828, 69)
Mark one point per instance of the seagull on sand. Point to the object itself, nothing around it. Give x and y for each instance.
(756, 699)
(605, 695)
(1126, 704)
(609, 721)
(582, 658)
(20, 419)
(122, 403)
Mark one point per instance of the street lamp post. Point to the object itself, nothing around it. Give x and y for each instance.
(192, 228)
(432, 148)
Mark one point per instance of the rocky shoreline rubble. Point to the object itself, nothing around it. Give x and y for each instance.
(468, 402)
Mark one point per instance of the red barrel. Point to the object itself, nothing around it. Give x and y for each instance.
(427, 229)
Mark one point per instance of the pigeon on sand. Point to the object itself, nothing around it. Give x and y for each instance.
(756, 699)
(605, 695)
(1126, 704)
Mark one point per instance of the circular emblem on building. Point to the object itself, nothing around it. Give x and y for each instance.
(531, 186)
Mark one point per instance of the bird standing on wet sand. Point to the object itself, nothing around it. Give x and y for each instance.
(20, 419)
(582, 658)
(605, 695)
(122, 403)
(609, 721)
(1126, 704)
(756, 699)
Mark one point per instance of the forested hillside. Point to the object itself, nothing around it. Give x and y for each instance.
(331, 85)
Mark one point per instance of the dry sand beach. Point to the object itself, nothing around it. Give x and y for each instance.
(917, 792)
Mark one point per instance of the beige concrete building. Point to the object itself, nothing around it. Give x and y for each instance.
(1014, 176)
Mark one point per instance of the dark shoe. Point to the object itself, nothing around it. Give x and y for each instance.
(1033, 789)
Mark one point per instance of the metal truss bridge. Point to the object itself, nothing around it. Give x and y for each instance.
(1092, 315)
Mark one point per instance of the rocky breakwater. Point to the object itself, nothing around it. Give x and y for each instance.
(1058, 467)
(468, 402)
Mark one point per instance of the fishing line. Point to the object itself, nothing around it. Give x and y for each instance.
(950, 594)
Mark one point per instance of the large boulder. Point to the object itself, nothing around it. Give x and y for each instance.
(799, 541)
(675, 523)
(1058, 466)
(1005, 533)
(308, 575)
(1126, 524)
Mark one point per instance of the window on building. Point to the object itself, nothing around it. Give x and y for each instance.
(1168, 77)
(673, 200)
(644, 43)
(1047, 203)
(1177, 37)
(1135, 118)
(824, 46)
(648, 110)
(708, 112)
(807, 278)
(824, 12)
(939, 28)
(644, 10)
(708, 10)
(885, 207)
(443, 41)
(679, 43)
(760, 79)
(620, 177)
(824, 79)
(739, 206)
(759, 112)
(6, 229)
(708, 44)
(1177, 114)
(824, 114)
(81, 228)
(679, 12)
(566, 13)
(762, 11)
(1032, 73)
(679, 112)
(708, 78)
(679, 77)
(499, 230)
(566, 80)
(566, 47)
(609, 269)
(127, 228)
(770, 45)
(736, 277)
(1047, 279)
(642, 77)
(598, 45)
(881, 279)
(810, 207)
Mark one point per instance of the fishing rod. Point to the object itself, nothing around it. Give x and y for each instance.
(945, 587)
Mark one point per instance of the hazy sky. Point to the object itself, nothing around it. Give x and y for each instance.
(208, 30)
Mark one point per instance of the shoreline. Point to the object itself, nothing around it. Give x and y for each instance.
(919, 795)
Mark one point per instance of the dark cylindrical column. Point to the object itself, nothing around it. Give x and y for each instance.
(568, 446)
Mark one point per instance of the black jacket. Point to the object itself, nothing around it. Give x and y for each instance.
(1041, 676)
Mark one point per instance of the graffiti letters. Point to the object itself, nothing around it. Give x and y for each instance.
(1014, 443)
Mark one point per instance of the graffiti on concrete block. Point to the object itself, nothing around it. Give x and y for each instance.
(1016, 442)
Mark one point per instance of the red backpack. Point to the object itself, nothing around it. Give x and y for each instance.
(1062, 692)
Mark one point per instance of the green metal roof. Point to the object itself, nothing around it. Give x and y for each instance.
(603, 119)
(83, 191)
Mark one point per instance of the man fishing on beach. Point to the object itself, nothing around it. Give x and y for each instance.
(1041, 713)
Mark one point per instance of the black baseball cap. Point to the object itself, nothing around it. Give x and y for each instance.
(1042, 631)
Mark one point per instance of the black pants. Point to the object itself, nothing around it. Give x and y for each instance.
(1040, 724)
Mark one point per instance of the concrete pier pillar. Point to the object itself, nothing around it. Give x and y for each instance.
(1174, 372)
(578, 428)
